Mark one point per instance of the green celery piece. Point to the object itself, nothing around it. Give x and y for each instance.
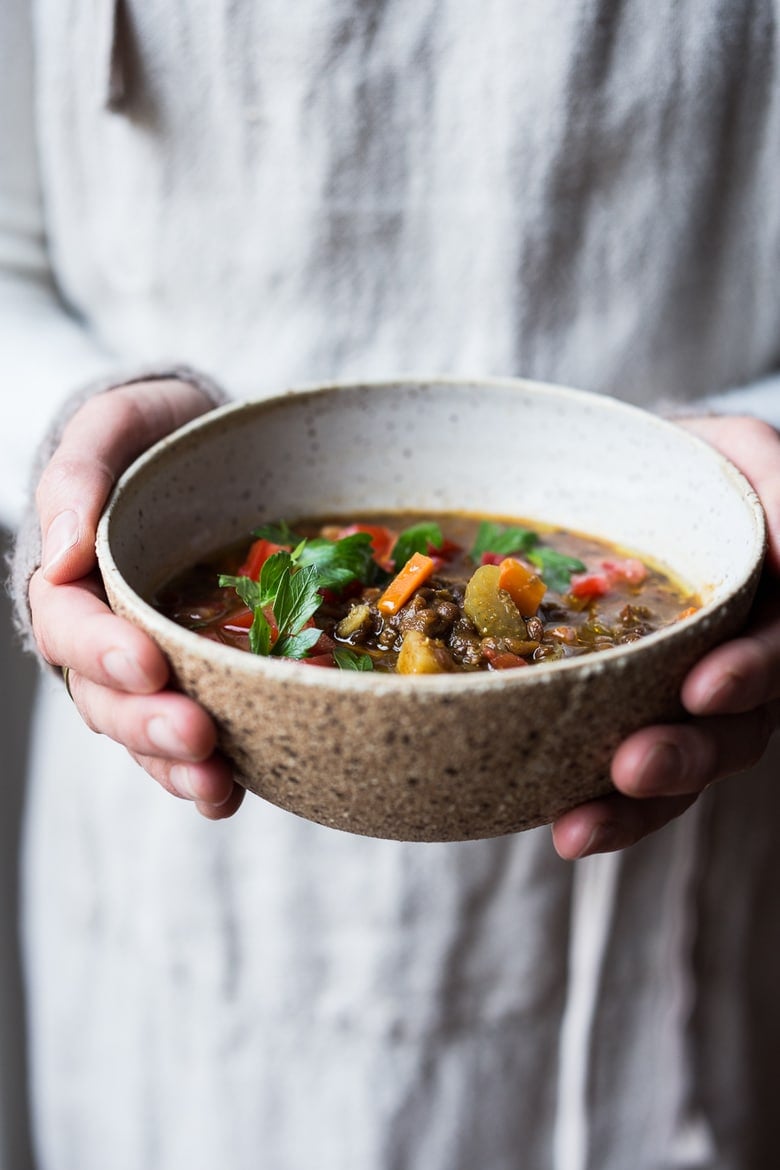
(415, 540)
(496, 538)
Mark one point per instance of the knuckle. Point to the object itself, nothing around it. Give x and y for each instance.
(39, 627)
(136, 415)
(85, 708)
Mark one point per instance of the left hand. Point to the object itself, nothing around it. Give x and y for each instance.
(732, 694)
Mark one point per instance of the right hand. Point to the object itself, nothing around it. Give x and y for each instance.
(117, 675)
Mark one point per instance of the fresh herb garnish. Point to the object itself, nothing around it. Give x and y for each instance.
(292, 593)
(495, 538)
(338, 562)
(417, 539)
(279, 533)
(347, 659)
(555, 568)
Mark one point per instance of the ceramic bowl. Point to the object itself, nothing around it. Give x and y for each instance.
(444, 757)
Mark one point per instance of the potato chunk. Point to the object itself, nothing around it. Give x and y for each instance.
(357, 621)
(421, 655)
(490, 608)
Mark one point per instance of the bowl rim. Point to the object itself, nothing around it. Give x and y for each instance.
(379, 682)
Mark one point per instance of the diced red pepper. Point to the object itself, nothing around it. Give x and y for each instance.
(324, 645)
(504, 659)
(589, 584)
(241, 619)
(630, 569)
(446, 551)
(258, 554)
(491, 558)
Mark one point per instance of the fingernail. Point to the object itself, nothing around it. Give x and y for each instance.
(181, 780)
(125, 670)
(189, 783)
(164, 736)
(604, 838)
(719, 696)
(61, 535)
(661, 770)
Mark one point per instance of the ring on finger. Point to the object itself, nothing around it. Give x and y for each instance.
(66, 679)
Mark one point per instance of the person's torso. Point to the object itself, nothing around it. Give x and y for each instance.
(584, 193)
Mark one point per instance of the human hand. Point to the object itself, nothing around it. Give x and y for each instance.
(732, 694)
(116, 675)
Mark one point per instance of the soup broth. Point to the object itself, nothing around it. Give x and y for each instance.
(414, 594)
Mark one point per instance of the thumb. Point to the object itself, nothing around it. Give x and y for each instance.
(102, 439)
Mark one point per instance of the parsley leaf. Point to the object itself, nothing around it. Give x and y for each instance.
(347, 659)
(293, 596)
(280, 533)
(496, 538)
(555, 568)
(338, 562)
(297, 599)
(418, 538)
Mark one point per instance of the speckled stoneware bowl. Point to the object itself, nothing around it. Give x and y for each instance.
(443, 757)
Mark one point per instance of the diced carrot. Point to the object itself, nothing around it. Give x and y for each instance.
(686, 613)
(523, 585)
(415, 572)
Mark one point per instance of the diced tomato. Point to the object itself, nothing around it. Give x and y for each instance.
(382, 539)
(504, 659)
(589, 584)
(491, 558)
(258, 554)
(630, 569)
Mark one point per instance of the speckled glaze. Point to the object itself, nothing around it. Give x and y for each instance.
(447, 757)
